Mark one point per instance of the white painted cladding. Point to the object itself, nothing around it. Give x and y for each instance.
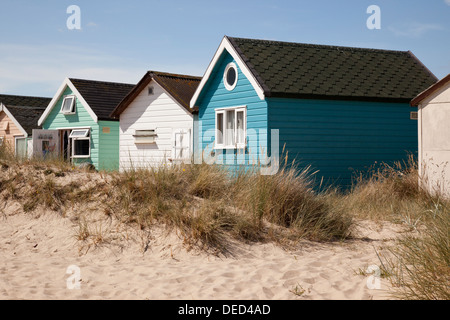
(434, 142)
(159, 112)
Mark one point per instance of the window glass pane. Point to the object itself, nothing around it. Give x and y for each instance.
(79, 133)
(231, 76)
(240, 127)
(219, 132)
(81, 147)
(230, 132)
(67, 104)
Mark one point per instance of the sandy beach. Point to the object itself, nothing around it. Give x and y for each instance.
(38, 254)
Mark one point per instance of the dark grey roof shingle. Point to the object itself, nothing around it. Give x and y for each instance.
(286, 69)
(181, 87)
(102, 96)
(26, 110)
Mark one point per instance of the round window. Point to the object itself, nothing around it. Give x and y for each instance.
(230, 76)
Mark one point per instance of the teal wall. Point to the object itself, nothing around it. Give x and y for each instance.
(109, 145)
(215, 95)
(340, 138)
(104, 147)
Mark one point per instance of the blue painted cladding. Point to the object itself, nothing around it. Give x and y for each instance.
(215, 96)
(341, 138)
(338, 138)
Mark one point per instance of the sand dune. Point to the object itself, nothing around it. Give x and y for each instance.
(36, 251)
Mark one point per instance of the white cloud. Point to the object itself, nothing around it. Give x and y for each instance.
(414, 30)
(447, 2)
(39, 70)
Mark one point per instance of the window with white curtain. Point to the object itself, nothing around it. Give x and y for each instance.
(231, 125)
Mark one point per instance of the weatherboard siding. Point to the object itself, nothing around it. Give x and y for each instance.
(109, 145)
(146, 112)
(434, 133)
(81, 119)
(12, 132)
(215, 96)
(342, 138)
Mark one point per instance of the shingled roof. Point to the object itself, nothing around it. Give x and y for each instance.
(26, 110)
(180, 87)
(296, 70)
(430, 91)
(102, 96)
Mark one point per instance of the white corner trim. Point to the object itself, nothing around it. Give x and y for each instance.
(226, 45)
(10, 116)
(52, 104)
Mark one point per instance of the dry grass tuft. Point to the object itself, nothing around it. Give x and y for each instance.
(207, 206)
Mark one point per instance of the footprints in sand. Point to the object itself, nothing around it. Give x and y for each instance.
(256, 272)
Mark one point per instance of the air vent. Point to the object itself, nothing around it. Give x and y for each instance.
(145, 136)
(151, 91)
(414, 115)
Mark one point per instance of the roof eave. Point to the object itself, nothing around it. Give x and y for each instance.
(227, 45)
(13, 119)
(66, 83)
(146, 79)
(336, 97)
(428, 92)
(131, 96)
(173, 94)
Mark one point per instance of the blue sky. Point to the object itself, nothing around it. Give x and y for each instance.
(120, 40)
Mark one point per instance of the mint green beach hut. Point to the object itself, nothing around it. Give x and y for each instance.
(76, 124)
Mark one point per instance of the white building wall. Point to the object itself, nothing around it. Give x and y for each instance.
(434, 142)
(147, 112)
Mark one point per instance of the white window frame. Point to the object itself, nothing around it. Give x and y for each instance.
(86, 136)
(84, 133)
(230, 87)
(72, 106)
(234, 144)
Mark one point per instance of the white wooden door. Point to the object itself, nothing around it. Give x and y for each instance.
(181, 147)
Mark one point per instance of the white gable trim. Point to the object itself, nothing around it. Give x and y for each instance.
(9, 114)
(226, 45)
(52, 104)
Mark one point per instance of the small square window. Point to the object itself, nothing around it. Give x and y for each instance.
(68, 105)
(81, 148)
(81, 143)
